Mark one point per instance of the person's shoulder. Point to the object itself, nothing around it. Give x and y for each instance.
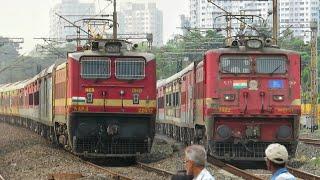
(285, 176)
(207, 175)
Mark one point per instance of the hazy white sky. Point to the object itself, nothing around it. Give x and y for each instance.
(30, 18)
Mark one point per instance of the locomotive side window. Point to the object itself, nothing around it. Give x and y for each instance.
(130, 68)
(93, 68)
(267, 64)
(235, 64)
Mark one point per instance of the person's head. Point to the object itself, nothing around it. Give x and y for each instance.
(195, 158)
(276, 156)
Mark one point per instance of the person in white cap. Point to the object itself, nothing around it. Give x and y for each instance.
(195, 161)
(276, 159)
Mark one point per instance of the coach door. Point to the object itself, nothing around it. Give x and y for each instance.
(188, 100)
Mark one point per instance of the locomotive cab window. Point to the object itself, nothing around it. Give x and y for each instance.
(271, 64)
(95, 68)
(235, 64)
(130, 68)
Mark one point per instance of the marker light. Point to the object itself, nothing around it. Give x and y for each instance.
(278, 97)
(229, 97)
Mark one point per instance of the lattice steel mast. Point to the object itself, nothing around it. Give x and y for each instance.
(314, 76)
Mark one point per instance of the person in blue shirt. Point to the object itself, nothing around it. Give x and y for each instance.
(276, 159)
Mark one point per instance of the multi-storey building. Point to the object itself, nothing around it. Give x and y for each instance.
(297, 15)
(205, 15)
(73, 10)
(141, 17)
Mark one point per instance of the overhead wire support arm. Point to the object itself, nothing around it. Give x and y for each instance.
(55, 50)
(230, 14)
(74, 25)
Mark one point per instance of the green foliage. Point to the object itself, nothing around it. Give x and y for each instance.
(291, 43)
(16, 68)
(182, 50)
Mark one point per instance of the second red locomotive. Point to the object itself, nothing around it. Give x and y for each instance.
(236, 101)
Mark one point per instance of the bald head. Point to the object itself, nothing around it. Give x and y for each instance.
(197, 154)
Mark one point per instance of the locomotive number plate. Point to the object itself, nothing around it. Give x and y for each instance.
(136, 90)
(145, 110)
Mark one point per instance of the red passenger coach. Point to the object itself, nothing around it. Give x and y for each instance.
(244, 97)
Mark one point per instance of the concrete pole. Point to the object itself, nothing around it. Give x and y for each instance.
(275, 21)
(115, 20)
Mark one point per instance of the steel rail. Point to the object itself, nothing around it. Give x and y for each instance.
(113, 174)
(303, 175)
(234, 170)
(315, 142)
(156, 170)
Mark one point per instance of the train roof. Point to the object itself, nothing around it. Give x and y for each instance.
(46, 71)
(250, 51)
(78, 55)
(163, 82)
(23, 83)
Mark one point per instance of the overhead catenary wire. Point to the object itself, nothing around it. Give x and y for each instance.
(229, 13)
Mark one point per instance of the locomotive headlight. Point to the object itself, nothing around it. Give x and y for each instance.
(278, 97)
(254, 43)
(224, 132)
(284, 132)
(122, 92)
(229, 97)
(89, 98)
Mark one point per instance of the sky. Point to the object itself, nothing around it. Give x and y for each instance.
(29, 19)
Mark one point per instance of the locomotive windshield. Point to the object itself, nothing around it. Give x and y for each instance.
(95, 68)
(263, 64)
(130, 68)
(235, 64)
(267, 64)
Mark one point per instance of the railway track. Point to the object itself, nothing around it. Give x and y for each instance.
(113, 174)
(246, 175)
(1, 178)
(156, 170)
(303, 175)
(314, 142)
(116, 174)
(232, 169)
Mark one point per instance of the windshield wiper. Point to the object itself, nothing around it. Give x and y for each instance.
(227, 71)
(275, 69)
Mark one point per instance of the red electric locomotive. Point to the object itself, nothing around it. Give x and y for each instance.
(105, 103)
(237, 100)
(101, 102)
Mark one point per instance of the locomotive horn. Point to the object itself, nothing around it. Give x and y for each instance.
(235, 43)
(268, 42)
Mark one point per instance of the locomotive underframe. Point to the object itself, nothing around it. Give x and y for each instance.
(253, 151)
(248, 148)
(111, 134)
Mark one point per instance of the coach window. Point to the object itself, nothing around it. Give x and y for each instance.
(31, 99)
(270, 65)
(36, 98)
(235, 64)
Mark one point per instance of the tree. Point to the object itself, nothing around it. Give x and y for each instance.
(182, 50)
